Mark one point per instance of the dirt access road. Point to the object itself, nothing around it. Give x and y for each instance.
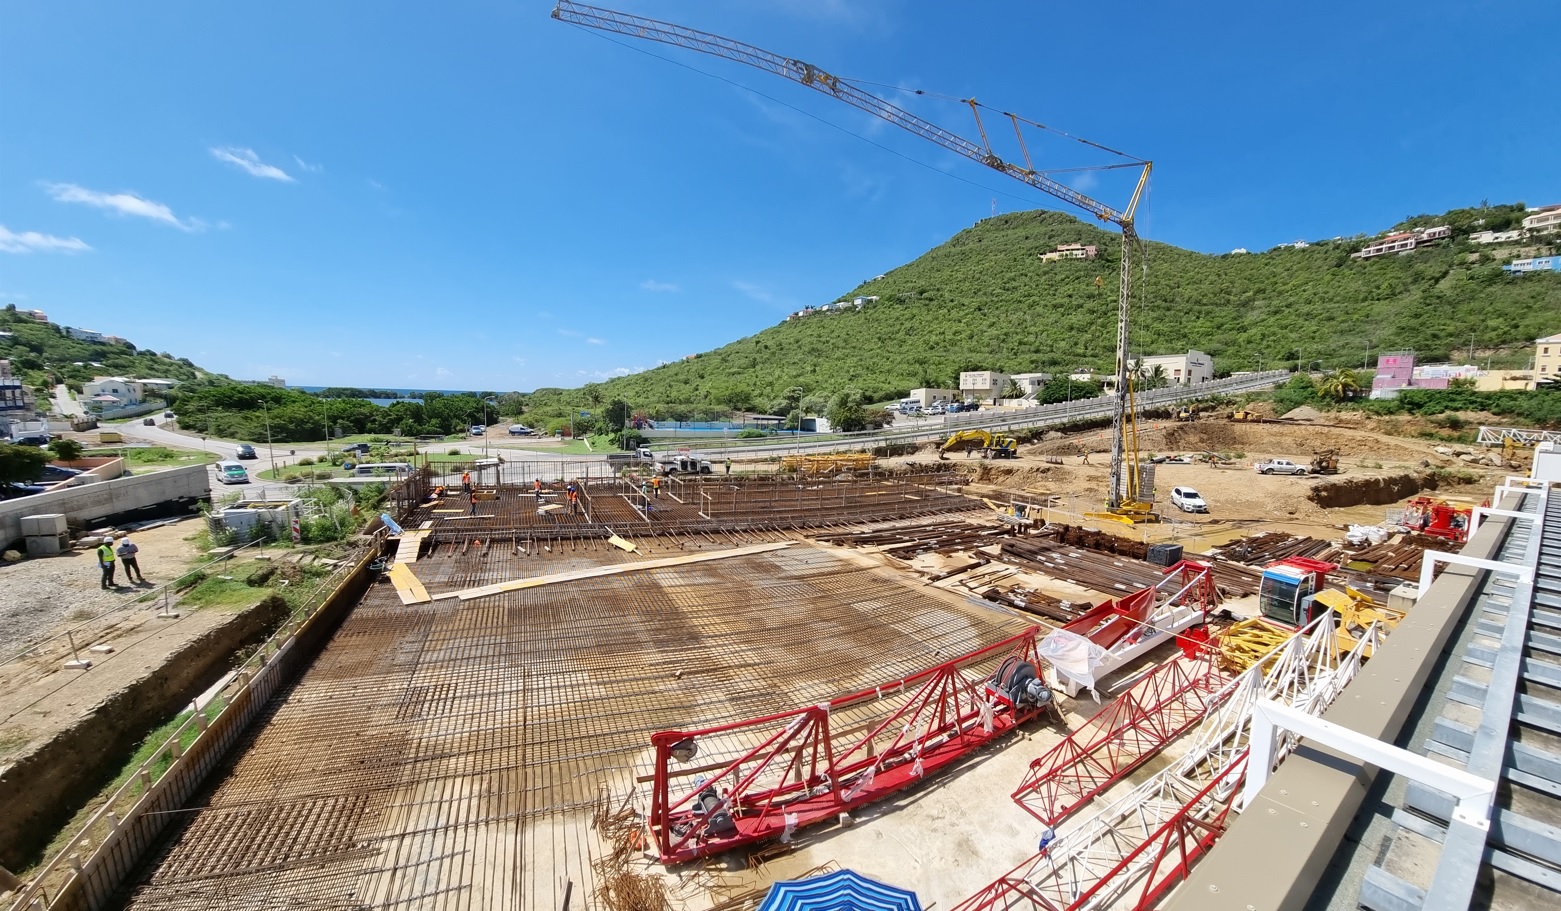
(1241, 501)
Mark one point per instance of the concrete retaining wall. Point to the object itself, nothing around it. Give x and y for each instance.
(89, 504)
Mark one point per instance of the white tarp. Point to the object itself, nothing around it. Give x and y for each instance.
(1072, 656)
(1366, 534)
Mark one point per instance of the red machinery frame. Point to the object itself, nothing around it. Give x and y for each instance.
(800, 772)
(1120, 737)
(1177, 843)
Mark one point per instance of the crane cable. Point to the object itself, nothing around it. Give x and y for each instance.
(694, 69)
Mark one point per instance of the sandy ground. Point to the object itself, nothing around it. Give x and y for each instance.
(1241, 501)
(45, 593)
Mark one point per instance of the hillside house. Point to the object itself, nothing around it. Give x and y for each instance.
(984, 386)
(83, 335)
(927, 396)
(1396, 372)
(1030, 383)
(1547, 358)
(1403, 242)
(1294, 245)
(1533, 264)
(1182, 369)
(112, 391)
(15, 399)
(864, 300)
(38, 316)
(1495, 237)
(1544, 221)
(1069, 251)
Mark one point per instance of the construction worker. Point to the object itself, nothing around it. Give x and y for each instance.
(126, 551)
(728, 466)
(537, 484)
(466, 482)
(106, 563)
(645, 493)
(574, 500)
(655, 484)
(473, 495)
(1084, 459)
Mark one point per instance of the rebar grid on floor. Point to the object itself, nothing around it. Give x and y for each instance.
(449, 755)
(711, 505)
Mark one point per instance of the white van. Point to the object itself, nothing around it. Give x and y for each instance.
(371, 469)
(231, 473)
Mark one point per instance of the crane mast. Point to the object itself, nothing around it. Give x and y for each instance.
(981, 152)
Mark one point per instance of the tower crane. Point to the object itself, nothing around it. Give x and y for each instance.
(1126, 508)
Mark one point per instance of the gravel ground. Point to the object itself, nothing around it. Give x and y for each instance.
(41, 597)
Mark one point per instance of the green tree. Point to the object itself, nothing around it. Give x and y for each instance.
(735, 398)
(846, 412)
(617, 416)
(20, 464)
(1339, 386)
(66, 450)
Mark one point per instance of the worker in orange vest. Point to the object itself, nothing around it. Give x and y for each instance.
(466, 482)
(655, 484)
(537, 483)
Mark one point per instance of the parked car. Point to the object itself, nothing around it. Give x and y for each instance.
(520, 430)
(16, 491)
(54, 474)
(479, 429)
(1188, 500)
(244, 451)
(32, 438)
(359, 448)
(149, 422)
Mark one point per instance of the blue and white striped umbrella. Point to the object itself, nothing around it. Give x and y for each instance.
(843, 890)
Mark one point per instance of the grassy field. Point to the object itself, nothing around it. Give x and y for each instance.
(154, 456)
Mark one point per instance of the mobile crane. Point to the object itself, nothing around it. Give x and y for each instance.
(1122, 500)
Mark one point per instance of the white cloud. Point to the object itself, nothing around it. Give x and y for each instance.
(246, 160)
(123, 203)
(519, 360)
(758, 293)
(375, 184)
(33, 242)
(441, 373)
(1085, 181)
(605, 374)
(571, 333)
(650, 284)
(307, 167)
(594, 341)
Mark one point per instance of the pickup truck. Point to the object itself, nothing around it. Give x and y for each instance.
(1279, 466)
(676, 463)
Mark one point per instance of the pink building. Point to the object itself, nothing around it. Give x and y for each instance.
(1396, 371)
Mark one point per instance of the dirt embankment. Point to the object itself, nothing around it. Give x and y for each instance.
(45, 786)
(1367, 491)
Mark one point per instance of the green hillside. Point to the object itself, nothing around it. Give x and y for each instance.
(984, 300)
(42, 355)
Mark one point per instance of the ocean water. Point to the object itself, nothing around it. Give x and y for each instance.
(407, 395)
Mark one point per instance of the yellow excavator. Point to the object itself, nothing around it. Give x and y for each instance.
(992, 447)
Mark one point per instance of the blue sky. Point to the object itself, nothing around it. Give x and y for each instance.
(472, 195)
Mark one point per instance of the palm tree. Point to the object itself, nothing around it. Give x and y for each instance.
(1339, 385)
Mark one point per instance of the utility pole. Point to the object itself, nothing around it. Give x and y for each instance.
(265, 409)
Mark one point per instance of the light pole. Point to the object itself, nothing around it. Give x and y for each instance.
(265, 409)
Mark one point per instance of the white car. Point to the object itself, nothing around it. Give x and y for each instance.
(1188, 500)
(520, 430)
(479, 429)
